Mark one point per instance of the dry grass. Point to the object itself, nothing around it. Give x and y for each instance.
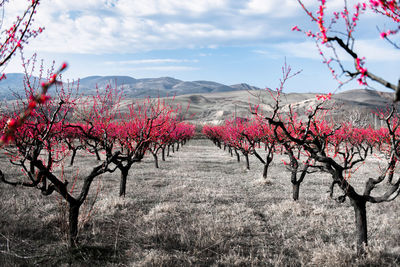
(200, 208)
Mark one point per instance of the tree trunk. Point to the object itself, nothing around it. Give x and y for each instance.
(71, 163)
(219, 144)
(361, 224)
(247, 161)
(268, 161)
(163, 153)
(173, 148)
(73, 224)
(97, 154)
(122, 185)
(296, 191)
(237, 155)
(177, 146)
(265, 171)
(169, 146)
(155, 160)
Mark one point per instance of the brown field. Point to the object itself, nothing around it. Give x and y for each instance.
(201, 208)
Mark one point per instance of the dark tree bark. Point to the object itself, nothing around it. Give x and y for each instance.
(266, 166)
(155, 160)
(237, 155)
(294, 170)
(71, 163)
(265, 170)
(361, 224)
(124, 177)
(97, 154)
(163, 153)
(247, 161)
(296, 191)
(73, 223)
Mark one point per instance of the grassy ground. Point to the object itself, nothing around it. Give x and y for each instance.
(200, 208)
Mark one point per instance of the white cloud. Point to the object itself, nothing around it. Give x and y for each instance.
(305, 50)
(164, 68)
(377, 50)
(279, 8)
(372, 49)
(151, 61)
(131, 26)
(169, 7)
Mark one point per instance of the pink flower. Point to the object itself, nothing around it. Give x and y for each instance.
(64, 66)
(11, 123)
(32, 105)
(295, 28)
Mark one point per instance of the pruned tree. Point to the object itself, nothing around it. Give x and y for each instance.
(350, 150)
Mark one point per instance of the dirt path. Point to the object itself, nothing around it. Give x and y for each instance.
(203, 203)
(200, 173)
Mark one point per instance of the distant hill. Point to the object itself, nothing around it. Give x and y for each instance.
(133, 88)
(358, 105)
(212, 102)
(14, 83)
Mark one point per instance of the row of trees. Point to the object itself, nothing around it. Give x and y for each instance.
(317, 143)
(61, 125)
(336, 35)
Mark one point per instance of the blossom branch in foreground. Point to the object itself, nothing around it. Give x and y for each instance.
(13, 124)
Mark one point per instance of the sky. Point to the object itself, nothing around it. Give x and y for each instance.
(226, 41)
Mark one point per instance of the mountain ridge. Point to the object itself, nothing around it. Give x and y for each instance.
(214, 102)
(133, 88)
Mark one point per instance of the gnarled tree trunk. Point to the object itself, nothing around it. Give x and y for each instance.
(73, 223)
(296, 191)
(361, 224)
(122, 185)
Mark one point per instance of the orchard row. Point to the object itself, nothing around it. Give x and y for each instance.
(341, 141)
(41, 137)
(317, 143)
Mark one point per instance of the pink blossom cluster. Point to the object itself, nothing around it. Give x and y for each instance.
(362, 70)
(324, 97)
(13, 123)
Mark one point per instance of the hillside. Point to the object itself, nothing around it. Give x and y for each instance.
(357, 105)
(133, 88)
(211, 102)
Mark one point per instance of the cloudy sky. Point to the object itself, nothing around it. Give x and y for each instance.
(227, 41)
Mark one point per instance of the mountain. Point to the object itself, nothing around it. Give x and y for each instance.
(244, 86)
(358, 106)
(13, 84)
(154, 87)
(133, 88)
(213, 102)
(92, 82)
